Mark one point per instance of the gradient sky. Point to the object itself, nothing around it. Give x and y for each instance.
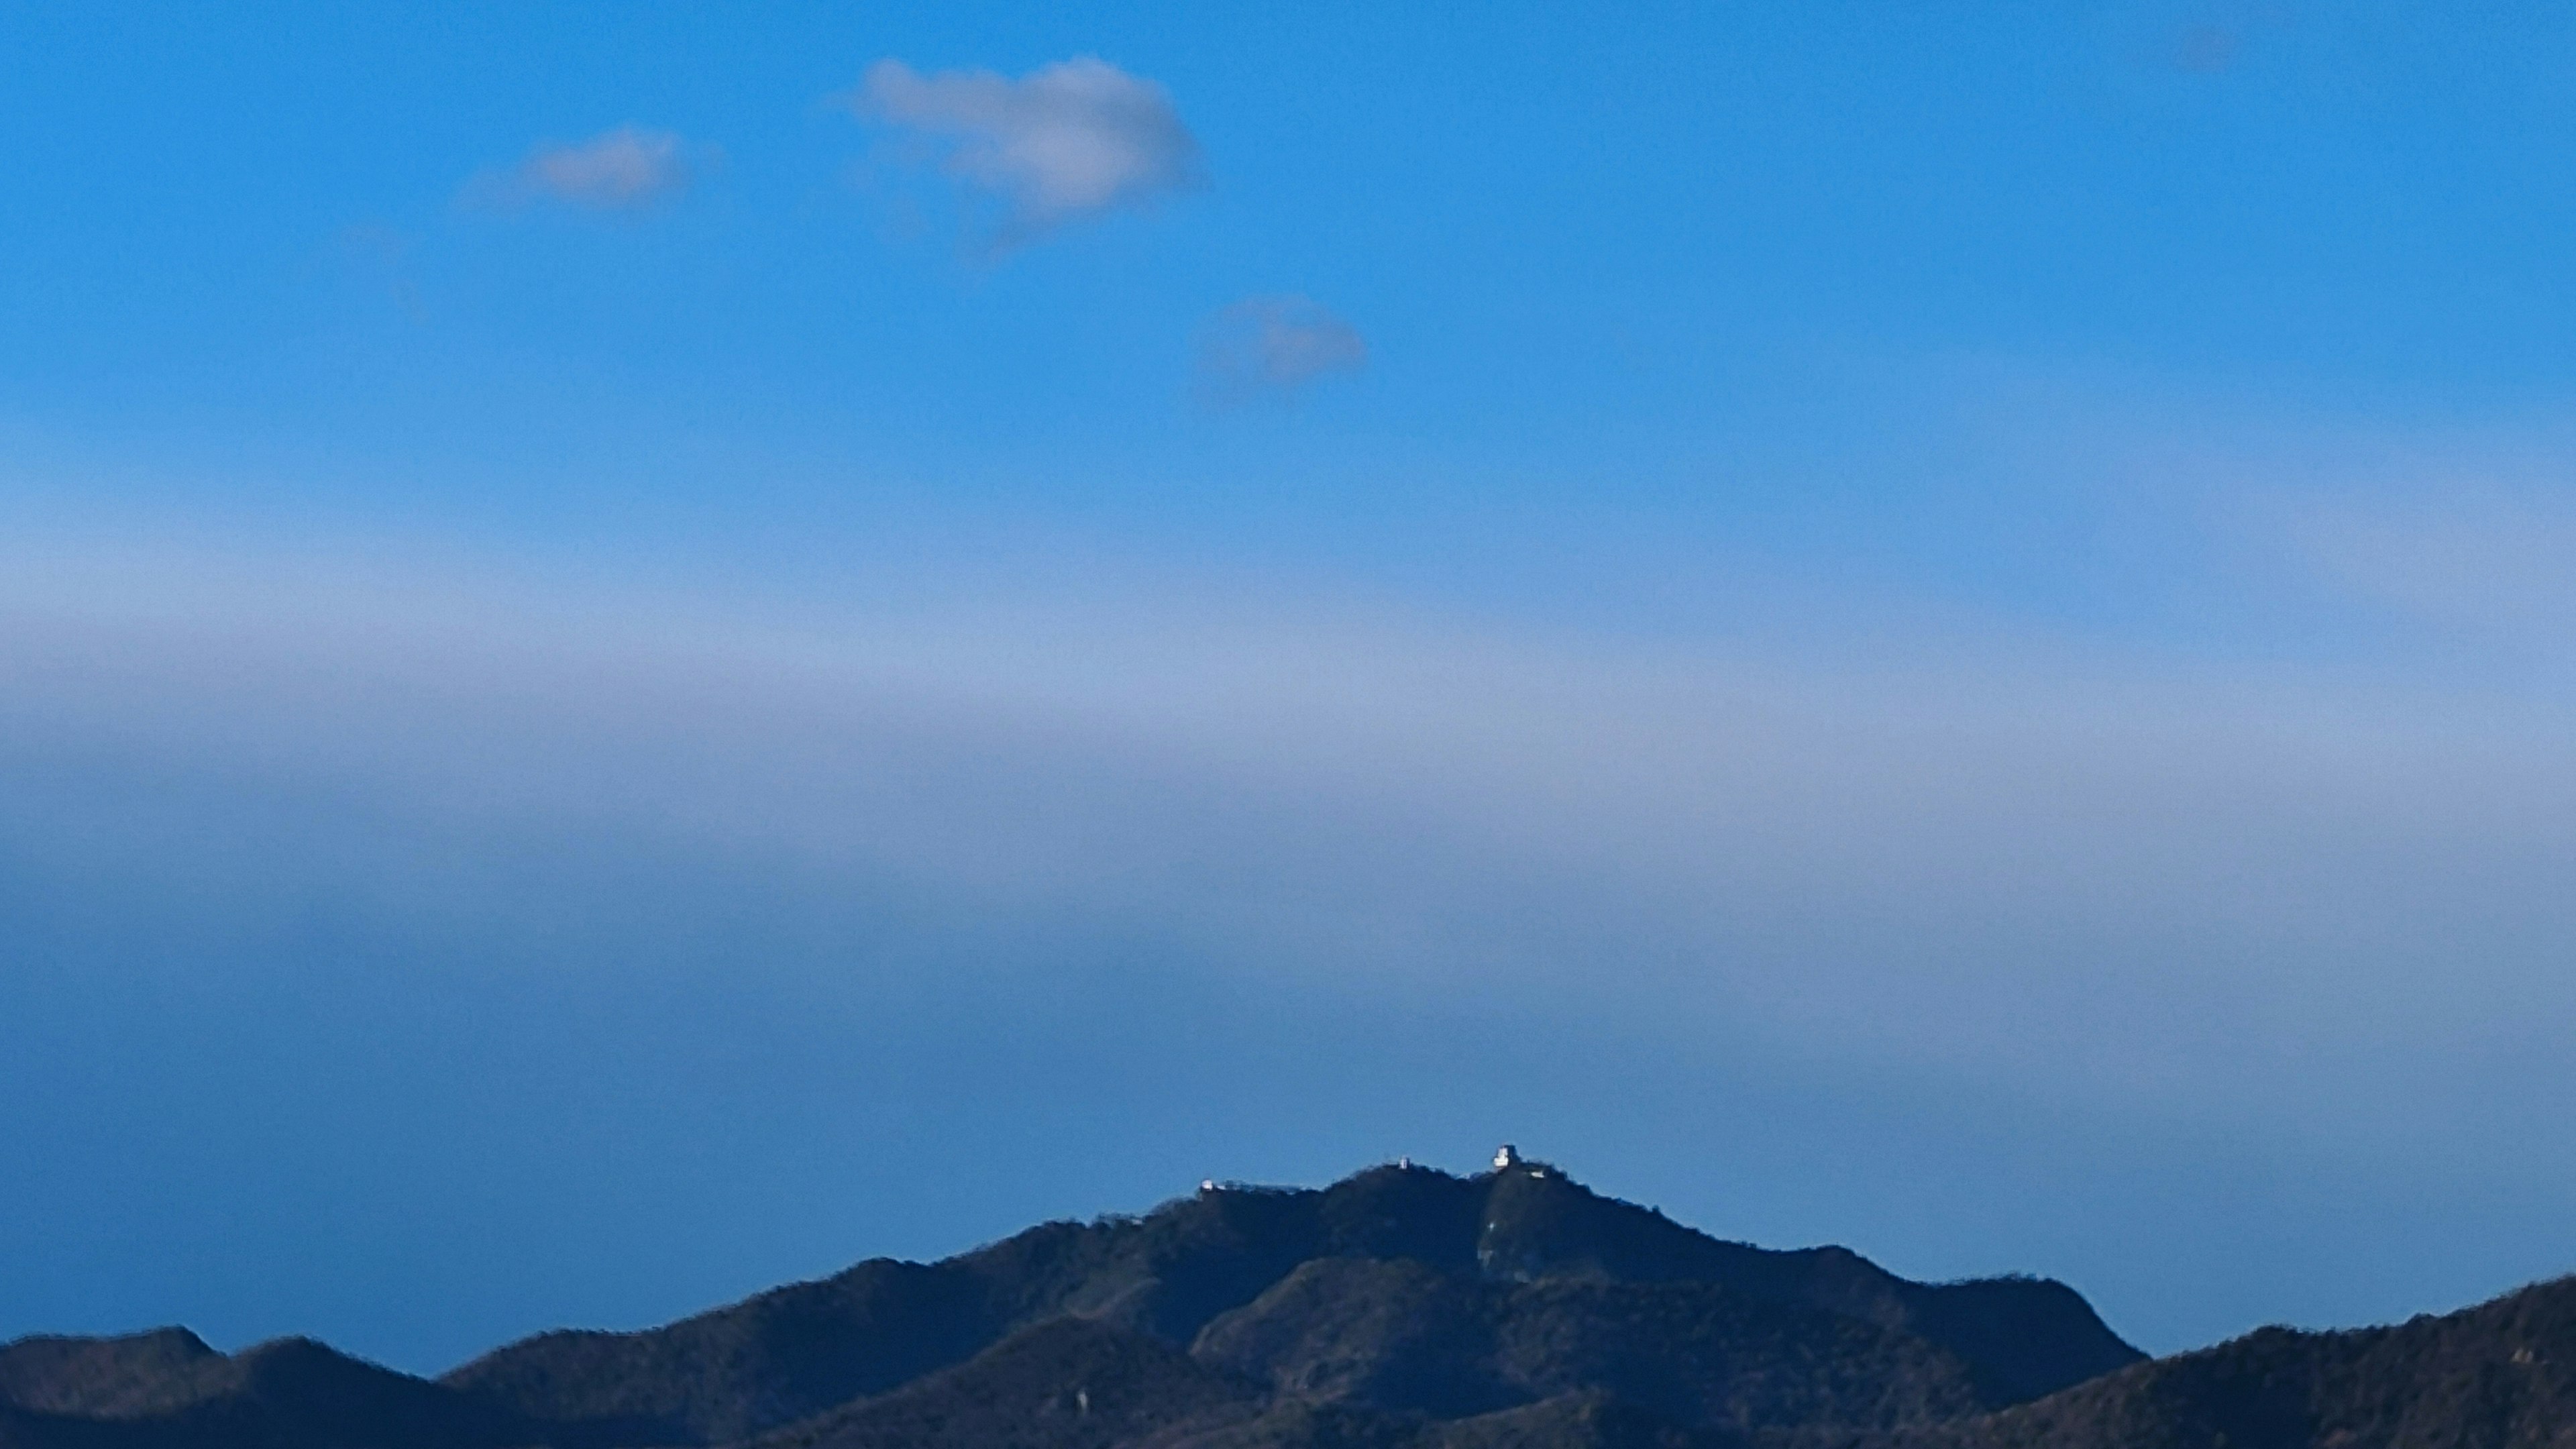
(649, 648)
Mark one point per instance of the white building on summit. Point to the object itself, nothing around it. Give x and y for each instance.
(1506, 1157)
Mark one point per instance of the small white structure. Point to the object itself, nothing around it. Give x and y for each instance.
(1506, 1157)
(1207, 1184)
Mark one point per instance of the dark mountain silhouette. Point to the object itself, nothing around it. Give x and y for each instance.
(796, 1351)
(106, 1376)
(1399, 1309)
(2501, 1375)
(166, 1389)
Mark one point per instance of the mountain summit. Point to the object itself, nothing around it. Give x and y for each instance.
(1401, 1308)
(1401, 1288)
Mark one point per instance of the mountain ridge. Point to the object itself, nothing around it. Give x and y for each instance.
(1171, 1271)
(1399, 1308)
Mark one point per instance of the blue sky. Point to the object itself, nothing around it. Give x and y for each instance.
(647, 649)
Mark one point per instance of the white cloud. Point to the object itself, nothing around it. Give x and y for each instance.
(617, 170)
(1275, 345)
(1067, 141)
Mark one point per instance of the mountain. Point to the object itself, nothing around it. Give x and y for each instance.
(1402, 1308)
(2501, 1375)
(1172, 1274)
(167, 1389)
(106, 1376)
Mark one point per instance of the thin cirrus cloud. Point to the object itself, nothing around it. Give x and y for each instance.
(626, 168)
(1273, 347)
(1067, 142)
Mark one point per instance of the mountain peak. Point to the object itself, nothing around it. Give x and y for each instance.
(1513, 1301)
(1174, 1273)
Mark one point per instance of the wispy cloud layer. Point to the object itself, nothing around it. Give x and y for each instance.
(2299, 907)
(2122, 875)
(1274, 346)
(1065, 142)
(624, 169)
